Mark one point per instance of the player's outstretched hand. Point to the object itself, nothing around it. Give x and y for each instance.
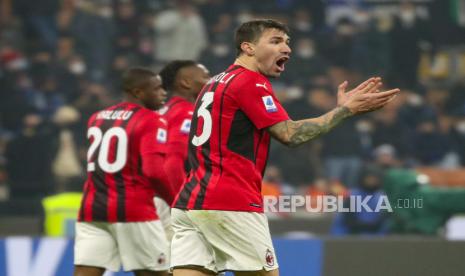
(366, 97)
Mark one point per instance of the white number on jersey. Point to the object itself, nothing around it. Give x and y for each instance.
(207, 99)
(103, 140)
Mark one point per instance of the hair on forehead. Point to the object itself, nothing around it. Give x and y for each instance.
(169, 73)
(136, 77)
(251, 31)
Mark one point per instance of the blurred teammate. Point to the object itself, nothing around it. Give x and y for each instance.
(118, 224)
(218, 218)
(183, 79)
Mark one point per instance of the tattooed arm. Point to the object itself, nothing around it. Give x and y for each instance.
(294, 133)
(364, 98)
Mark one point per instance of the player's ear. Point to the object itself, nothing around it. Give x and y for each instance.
(185, 83)
(136, 93)
(248, 48)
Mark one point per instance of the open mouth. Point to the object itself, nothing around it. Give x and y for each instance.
(280, 63)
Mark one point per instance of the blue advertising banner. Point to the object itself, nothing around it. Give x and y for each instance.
(25, 256)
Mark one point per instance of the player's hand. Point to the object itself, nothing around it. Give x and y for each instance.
(366, 97)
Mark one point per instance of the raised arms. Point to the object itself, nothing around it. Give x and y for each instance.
(364, 98)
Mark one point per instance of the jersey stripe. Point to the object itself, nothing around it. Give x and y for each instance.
(191, 189)
(206, 149)
(87, 187)
(120, 185)
(220, 120)
(100, 202)
(186, 192)
(94, 185)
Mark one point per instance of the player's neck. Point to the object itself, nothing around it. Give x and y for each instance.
(247, 62)
(130, 99)
(184, 95)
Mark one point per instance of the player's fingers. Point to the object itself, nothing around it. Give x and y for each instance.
(372, 85)
(385, 94)
(365, 83)
(342, 87)
(384, 101)
(373, 89)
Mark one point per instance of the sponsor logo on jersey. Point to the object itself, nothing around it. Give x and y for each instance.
(161, 135)
(163, 110)
(163, 121)
(269, 258)
(262, 85)
(269, 104)
(186, 126)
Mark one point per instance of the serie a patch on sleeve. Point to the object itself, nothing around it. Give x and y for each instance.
(161, 135)
(186, 126)
(270, 106)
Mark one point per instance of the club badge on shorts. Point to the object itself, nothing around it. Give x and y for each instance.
(161, 259)
(269, 258)
(270, 106)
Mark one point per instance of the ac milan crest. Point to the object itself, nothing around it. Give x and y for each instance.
(269, 258)
(162, 258)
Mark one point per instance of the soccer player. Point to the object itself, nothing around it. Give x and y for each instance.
(183, 79)
(217, 216)
(118, 222)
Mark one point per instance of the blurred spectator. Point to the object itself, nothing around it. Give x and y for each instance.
(181, 33)
(364, 222)
(307, 66)
(127, 27)
(302, 25)
(29, 158)
(66, 166)
(458, 136)
(71, 53)
(371, 46)
(431, 146)
(389, 130)
(337, 45)
(91, 25)
(322, 187)
(272, 182)
(341, 161)
(407, 32)
(385, 157)
(40, 25)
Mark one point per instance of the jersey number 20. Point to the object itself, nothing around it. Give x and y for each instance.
(203, 112)
(103, 140)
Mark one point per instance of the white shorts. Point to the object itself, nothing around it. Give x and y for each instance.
(221, 240)
(135, 245)
(164, 213)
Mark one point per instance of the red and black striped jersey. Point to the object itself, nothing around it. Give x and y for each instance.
(115, 189)
(178, 114)
(229, 143)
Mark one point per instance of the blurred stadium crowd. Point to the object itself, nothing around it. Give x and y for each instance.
(62, 60)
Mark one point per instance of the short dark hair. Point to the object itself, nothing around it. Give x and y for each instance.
(251, 31)
(169, 73)
(136, 77)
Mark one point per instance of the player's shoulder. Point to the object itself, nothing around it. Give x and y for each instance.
(178, 107)
(101, 114)
(150, 115)
(250, 80)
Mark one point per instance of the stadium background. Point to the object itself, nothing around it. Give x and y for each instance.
(62, 60)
